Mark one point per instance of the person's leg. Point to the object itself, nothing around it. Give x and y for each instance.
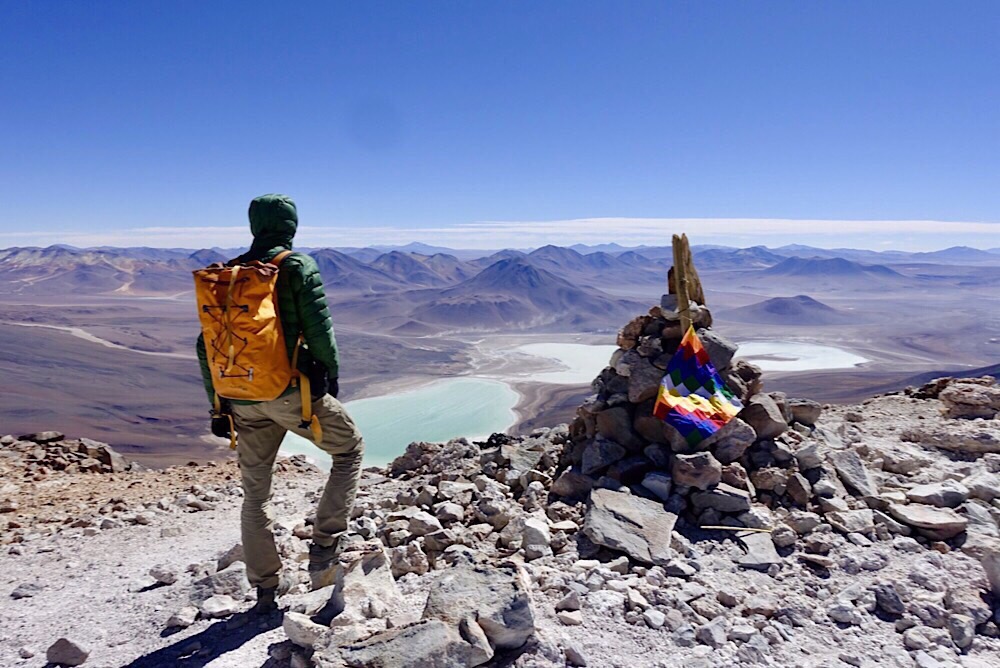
(343, 442)
(258, 441)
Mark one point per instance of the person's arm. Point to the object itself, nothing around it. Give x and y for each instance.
(310, 303)
(206, 373)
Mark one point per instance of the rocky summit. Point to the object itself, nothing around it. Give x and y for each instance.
(799, 535)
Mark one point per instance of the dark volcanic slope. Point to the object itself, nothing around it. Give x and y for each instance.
(483, 262)
(515, 293)
(596, 269)
(342, 273)
(792, 311)
(448, 267)
(406, 269)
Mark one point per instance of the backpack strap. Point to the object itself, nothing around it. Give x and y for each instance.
(301, 380)
(309, 420)
(279, 258)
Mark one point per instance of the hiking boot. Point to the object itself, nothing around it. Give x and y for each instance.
(322, 562)
(267, 602)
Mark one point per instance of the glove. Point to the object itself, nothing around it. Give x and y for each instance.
(221, 427)
(221, 424)
(333, 387)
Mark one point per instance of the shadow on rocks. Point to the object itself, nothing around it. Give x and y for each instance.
(202, 648)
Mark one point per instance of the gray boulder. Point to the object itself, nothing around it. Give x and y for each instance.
(809, 456)
(572, 484)
(944, 494)
(987, 550)
(643, 381)
(364, 589)
(935, 523)
(430, 643)
(496, 598)
(852, 472)
(67, 652)
(729, 443)
(639, 527)
(805, 411)
(599, 454)
(659, 484)
(42, 437)
(220, 605)
(699, 470)
(760, 554)
(615, 424)
(720, 349)
(301, 630)
(724, 498)
(231, 581)
(983, 485)
(975, 398)
(959, 436)
(763, 414)
(852, 521)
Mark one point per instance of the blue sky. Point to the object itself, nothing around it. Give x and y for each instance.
(489, 124)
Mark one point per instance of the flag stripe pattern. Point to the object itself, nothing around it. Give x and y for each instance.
(693, 397)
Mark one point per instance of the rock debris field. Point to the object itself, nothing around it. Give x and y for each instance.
(799, 535)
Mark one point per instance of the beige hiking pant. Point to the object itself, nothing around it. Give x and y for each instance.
(261, 428)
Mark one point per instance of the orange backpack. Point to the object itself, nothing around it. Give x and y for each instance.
(238, 310)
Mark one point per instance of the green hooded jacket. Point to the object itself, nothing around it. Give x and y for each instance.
(302, 304)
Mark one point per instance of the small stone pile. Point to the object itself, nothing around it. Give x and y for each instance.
(89, 487)
(963, 397)
(48, 451)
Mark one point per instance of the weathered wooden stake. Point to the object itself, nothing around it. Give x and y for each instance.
(681, 281)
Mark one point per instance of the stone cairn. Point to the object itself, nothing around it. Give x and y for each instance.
(618, 444)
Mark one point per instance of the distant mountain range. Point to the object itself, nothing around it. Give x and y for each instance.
(427, 288)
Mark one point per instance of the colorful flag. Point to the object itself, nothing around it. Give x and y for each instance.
(693, 398)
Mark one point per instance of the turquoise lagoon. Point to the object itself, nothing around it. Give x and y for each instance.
(439, 411)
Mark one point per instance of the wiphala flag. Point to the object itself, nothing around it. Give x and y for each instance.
(693, 398)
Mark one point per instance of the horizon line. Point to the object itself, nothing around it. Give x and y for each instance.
(627, 232)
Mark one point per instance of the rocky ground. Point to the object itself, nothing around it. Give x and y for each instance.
(800, 535)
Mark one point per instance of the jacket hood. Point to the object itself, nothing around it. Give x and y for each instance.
(273, 221)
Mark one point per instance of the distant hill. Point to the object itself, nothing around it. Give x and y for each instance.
(483, 262)
(207, 256)
(515, 293)
(755, 257)
(613, 248)
(831, 274)
(557, 258)
(790, 311)
(448, 267)
(342, 273)
(408, 270)
(953, 255)
(365, 255)
(957, 255)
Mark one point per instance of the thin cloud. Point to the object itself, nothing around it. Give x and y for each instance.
(875, 234)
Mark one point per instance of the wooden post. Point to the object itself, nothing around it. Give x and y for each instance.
(681, 282)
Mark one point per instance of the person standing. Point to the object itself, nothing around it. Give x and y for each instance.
(261, 426)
